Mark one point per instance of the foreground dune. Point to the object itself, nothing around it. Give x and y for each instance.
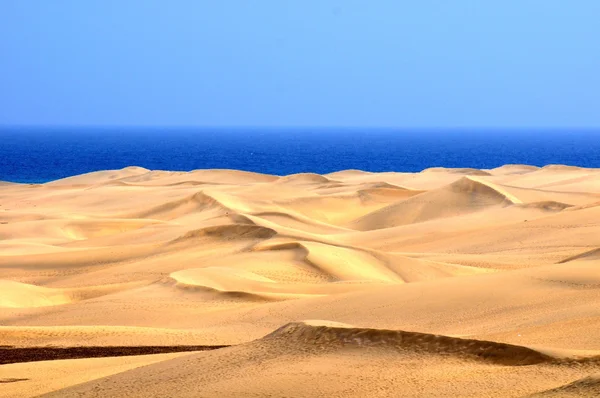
(448, 282)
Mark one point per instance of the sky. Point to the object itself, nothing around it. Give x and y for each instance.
(294, 63)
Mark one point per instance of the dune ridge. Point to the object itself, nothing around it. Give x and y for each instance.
(585, 387)
(591, 255)
(324, 334)
(466, 195)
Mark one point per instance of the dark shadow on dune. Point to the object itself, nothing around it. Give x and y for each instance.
(11, 380)
(31, 354)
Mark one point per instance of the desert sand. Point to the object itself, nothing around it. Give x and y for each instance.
(443, 283)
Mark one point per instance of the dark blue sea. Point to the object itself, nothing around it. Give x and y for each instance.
(36, 155)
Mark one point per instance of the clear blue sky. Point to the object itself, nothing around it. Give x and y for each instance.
(390, 63)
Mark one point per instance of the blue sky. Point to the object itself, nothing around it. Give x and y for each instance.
(371, 63)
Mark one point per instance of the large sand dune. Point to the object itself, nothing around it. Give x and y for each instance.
(448, 282)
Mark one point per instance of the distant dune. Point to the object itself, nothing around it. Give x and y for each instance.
(443, 283)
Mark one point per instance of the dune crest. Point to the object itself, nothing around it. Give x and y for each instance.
(323, 334)
(589, 255)
(466, 195)
(463, 171)
(585, 387)
(304, 178)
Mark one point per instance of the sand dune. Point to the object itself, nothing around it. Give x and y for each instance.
(513, 169)
(100, 177)
(447, 282)
(589, 255)
(463, 171)
(586, 387)
(461, 197)
(367, 362)
(36, 378)
(22, 295)
(17, 295)
(329, 334)
(180, 207)
(304, 178)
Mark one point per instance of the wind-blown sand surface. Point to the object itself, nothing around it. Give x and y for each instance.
(444, 283)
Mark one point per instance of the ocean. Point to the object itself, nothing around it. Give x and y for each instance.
(37, 155)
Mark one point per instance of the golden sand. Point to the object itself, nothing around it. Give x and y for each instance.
(444, 283)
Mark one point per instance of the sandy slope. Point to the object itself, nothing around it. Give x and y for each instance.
(316, 358)
(457, 282)
(35, 378)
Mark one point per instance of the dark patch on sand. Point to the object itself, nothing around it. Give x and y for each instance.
(31, 354)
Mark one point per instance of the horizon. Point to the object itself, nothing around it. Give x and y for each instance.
(248, 128)
(45, 154)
